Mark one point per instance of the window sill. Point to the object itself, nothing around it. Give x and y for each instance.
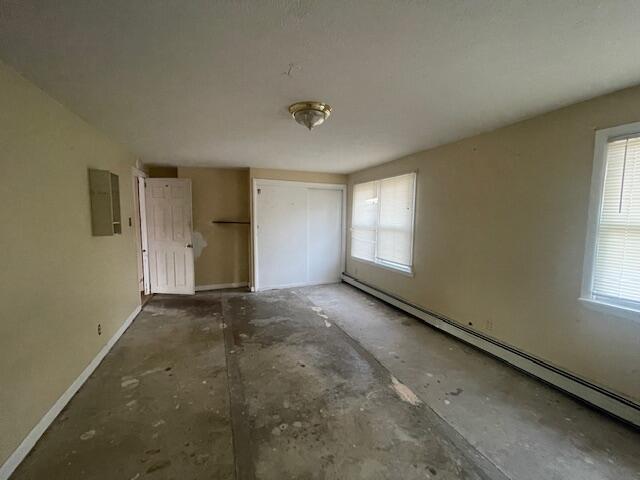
(623, 311)
(406, 273)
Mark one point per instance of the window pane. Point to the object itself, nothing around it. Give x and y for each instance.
(382, 221)
(617, 261)
(365, 205)
(364, 220)
(363, 244)
(395, 228)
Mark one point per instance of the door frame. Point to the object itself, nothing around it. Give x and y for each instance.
(258, 182)
(140, 224)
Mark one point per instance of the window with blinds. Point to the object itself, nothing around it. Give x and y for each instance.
(616, 264)
(382, 221)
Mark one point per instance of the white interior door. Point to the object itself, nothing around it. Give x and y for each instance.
(298, 234)
(169, 235)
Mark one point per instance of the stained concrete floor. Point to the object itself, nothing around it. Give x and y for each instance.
(317, 383)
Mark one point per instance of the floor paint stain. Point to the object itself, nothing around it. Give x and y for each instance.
(404, 392)
(131, 383)
(158, 466)
(88, 435)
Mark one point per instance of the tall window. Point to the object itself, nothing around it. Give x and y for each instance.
(382, 221)
(613, 252)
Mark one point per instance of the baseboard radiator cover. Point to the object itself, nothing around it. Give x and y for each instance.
(595, 395)
(32, 438)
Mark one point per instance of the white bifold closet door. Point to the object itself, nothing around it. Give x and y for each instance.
(298, 234)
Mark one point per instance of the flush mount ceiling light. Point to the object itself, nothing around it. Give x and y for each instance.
(310, 114)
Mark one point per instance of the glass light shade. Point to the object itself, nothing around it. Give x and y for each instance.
(310, 114)
(309, 118)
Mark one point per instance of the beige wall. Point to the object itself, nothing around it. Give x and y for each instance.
(297, 176)
(288, 175)
(500, 232)
(58, 282)
(221, 250)
(162, 171)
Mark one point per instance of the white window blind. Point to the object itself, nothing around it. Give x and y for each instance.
(382, 221)
(616, 273)
(395, 223)
(364, 221)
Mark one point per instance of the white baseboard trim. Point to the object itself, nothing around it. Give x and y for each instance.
(220, 286)
(30, 440)
(595, 395)
(293, 285)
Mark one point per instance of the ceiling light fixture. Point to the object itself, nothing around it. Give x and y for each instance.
(310, 114)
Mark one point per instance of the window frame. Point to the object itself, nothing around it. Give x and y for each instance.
(619, 307)
(391, 266)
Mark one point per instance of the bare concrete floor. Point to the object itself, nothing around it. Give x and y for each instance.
(156, 407)
(317, 383)
(529, 430)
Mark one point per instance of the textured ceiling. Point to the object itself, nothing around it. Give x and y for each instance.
(208, 82)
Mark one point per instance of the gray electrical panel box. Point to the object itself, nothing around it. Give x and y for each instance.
(105, 202)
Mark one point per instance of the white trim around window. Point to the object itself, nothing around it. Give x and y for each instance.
(383, 222)
(596, 237)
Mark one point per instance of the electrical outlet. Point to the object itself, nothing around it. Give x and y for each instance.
(99, 329)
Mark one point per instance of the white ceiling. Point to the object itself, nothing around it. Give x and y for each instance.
(204, 82)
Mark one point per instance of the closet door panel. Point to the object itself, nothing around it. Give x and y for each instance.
(282, 236)
(325, 235)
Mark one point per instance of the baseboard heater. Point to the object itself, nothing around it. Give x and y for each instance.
(598, 397)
